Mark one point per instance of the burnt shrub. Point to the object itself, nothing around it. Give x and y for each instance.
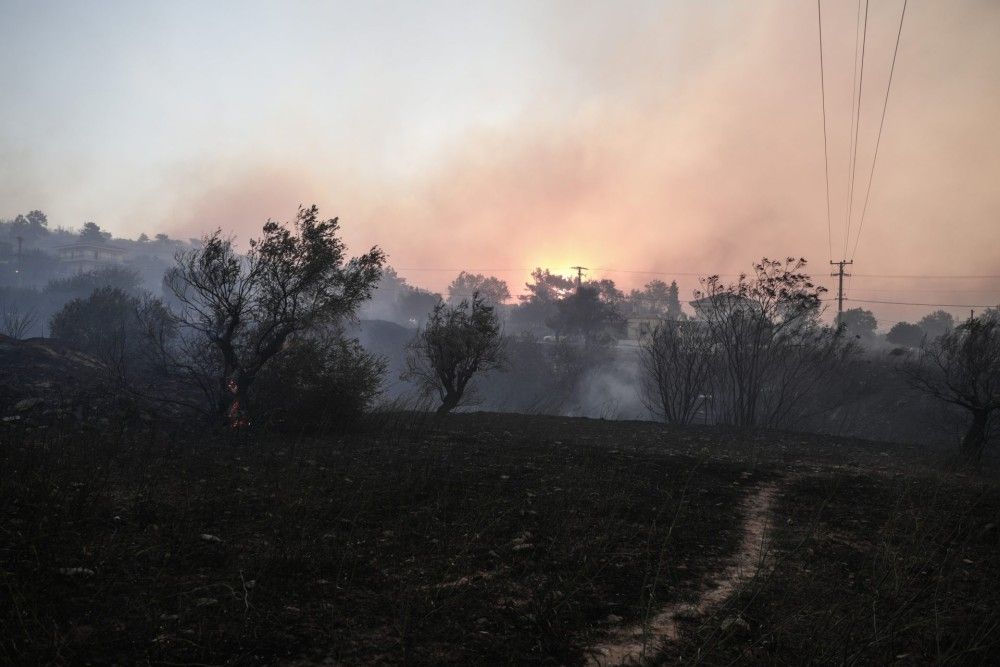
(325, 381)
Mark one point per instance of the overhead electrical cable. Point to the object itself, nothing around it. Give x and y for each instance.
(857, 127)
(910, 303)
(826, 151)
(878, 139)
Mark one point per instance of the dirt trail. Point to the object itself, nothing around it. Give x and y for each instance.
(633, 645)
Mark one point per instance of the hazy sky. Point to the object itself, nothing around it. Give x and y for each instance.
(678, 137)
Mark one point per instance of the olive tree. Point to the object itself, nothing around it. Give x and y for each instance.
(237, 311)
(962, 367)
(456, 344)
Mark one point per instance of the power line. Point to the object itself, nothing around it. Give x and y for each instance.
(910, 303)
(916, 276)
(446, 270)
(927, 276)
(697, 274)
(933, 291)
(826, 153)
(856, 124)
(878, 139)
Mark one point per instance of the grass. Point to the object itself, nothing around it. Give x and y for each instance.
(479, 539)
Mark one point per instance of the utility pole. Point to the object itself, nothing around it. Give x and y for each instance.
(840, 285)
(579, 274)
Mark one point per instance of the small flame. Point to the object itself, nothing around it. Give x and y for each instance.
(237, 419)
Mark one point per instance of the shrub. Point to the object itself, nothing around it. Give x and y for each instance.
(318, 382)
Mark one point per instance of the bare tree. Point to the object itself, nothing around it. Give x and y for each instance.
(677, 361)
(771, 348)
(457, 344)
(16, 321)
(962, 367)
(238, 311)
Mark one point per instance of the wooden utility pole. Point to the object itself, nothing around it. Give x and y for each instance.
(840, 286)
(579, 274)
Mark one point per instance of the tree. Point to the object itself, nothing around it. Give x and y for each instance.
(656, 299)
(162, 238)
(587, 313)
(92, 233)
(546, 287)
(905, 333)
(962, 367)
(237, 312)
(114, 327)
(537, 306)
(936, 324)
(677, 362)
(143, 238)
(457, 344)
(772, 350)
(492, 290)
(30, 226)
(858, 323)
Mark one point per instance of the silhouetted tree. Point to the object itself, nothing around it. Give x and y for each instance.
(317, 381)
(858, 323)
(905, 333)
(16, 319)
(962, 367)
(586, 313)
(537, 306)
(113, 326)
(491, 290)
(678, 362)
(243, 309)
(656, 299)
(936, 324)
(30, 226)
(547, 287)
(457, 344)
(772, 349)
(92, 233)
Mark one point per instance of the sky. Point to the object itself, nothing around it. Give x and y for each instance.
(641, 139)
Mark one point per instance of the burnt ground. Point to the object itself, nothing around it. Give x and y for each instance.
(484, 539)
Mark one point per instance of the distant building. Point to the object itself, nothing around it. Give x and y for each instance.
(85, 256)
(721, 304)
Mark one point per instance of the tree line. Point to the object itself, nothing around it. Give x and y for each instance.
(260, 336)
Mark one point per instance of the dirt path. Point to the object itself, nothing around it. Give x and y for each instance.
(634, 644)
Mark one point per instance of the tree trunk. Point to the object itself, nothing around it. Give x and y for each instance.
(975, 437)
(448, 404)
